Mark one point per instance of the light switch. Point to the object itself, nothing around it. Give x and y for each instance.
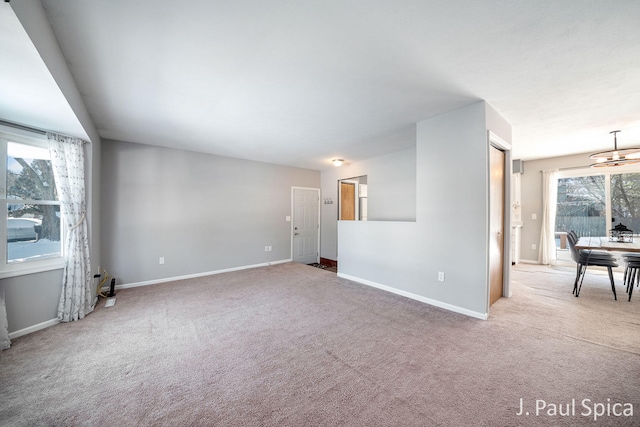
(287, 218)
(534, 216)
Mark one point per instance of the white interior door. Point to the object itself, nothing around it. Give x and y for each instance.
(306, 225)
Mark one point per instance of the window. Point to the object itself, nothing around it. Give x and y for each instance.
(593, 204)
(31, 231)
(625, 200)
(582, 205)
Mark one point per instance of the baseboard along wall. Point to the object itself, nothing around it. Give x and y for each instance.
(34, 328)
(196, 275)
(456, 309)
(48, 323)
(440, 304)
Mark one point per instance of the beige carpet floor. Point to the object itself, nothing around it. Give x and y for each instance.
(293, 345)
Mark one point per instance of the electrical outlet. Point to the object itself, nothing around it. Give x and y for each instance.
(161, 260)
(266, 248)
(533, 247)
(534, 216)
(270, 248)
(440, 276)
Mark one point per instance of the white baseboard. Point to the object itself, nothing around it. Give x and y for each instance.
(43, 325)
(34, 328)
(193, 276)
(440, 304)
(282, 261)
(529, 261)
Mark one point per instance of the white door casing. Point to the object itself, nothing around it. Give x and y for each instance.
(497, 142)
(305, 225)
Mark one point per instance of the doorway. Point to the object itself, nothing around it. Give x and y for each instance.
(496, 223)
(348, 204)
(305, 224)
(352, 198)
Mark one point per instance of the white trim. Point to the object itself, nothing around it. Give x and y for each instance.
(529, 261)
(502, 145)
(196, 275)
(24, 136)
(34, 328)
(20, 268)
(440, 304)
(46, 324)
(497, 141)
(31, 267)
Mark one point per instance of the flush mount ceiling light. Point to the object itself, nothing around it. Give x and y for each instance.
(337, 162)
(617, 157)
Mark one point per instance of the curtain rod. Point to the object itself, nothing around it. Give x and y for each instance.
(34, 130)
(23, 127)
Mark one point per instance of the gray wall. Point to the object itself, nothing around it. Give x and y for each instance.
(451, 229)
(201, 212)
(391, 186)
(33, 298)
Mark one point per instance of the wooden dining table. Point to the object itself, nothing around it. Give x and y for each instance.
(603, 244)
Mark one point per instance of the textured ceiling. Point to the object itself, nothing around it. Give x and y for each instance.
(300, 83)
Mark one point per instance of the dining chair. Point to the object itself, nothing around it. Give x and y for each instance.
(573, 235)
(631, 271)
(587, 257)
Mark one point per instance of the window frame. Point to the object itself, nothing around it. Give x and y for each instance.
(606, 172)
(22, 267)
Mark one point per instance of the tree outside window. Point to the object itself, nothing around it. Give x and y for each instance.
(33, 212)
(582, 205)
(625, 200)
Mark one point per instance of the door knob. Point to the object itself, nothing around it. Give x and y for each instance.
(296, 234)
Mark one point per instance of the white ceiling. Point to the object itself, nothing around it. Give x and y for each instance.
(302, 82)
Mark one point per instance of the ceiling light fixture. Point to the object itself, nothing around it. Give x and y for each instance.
(621, 157)
(337, 162)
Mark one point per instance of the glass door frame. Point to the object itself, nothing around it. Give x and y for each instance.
(607, 172)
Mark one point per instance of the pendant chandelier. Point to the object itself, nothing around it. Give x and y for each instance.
(616, 157)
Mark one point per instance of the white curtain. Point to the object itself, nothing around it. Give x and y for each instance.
(5, 342)
(67, 161)
(547, 250)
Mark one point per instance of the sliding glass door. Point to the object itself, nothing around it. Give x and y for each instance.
(593, 204)
(582, 205)
(625, 200)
